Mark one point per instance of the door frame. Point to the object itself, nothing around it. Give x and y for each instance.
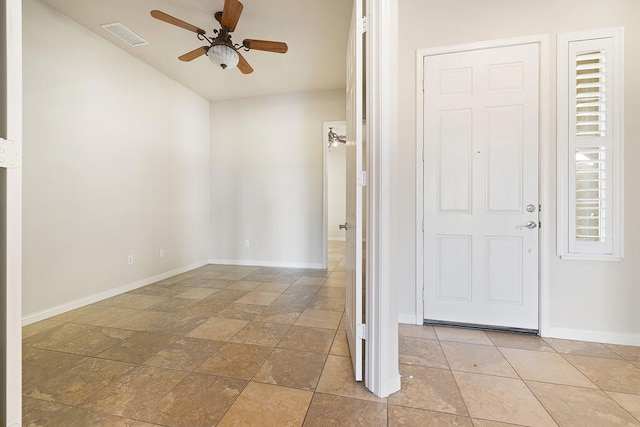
(542, 40)
(12, 218)
(382, 373)
(325, 187)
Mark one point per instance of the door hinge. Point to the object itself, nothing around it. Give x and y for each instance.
(423, 225)
(363, 28)
(363, 179)
(361, 331)
(9, 154)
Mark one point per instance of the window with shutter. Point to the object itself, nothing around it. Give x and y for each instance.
(590, 144)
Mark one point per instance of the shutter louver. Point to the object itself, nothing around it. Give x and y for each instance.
(590, 94)
(591, 194)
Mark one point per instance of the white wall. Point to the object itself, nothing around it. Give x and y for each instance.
(588, 300)
(266, 177)
(337, 188)
(116, 162)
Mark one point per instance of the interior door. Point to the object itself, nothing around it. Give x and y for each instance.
(10, 211)
(481, 187)
(354, 154)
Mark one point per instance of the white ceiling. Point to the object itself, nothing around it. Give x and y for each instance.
(316, 32)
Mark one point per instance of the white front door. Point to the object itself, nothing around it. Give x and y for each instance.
(481, 187)
(353, 255)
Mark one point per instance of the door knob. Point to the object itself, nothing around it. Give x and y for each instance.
(529, 224)
(343, 226)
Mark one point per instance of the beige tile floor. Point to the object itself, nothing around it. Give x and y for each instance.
(229, 345)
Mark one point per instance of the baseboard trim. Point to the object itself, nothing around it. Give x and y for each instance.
(564, 333)
(72, 305)
(257, 263)
(593, 336)
(408, 319)
(337, 239)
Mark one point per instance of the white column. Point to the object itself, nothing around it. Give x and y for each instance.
(382, 374)
(11, 214)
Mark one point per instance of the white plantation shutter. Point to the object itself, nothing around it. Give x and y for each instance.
(590, 143)
(590, 92)
(590, 208)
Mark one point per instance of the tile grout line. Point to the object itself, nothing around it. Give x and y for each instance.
(603, 391)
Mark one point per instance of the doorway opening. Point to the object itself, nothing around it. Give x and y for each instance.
(334, 192)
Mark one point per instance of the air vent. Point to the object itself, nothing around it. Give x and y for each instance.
(124, 33)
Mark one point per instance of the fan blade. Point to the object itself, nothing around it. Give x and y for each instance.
(243, 65)
(195, 53)
(175, 21)
(266, 45)
(231, 14)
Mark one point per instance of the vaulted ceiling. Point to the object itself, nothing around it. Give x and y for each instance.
(316, 32)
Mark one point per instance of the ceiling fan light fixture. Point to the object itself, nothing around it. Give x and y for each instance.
(219, 48)
(223, 56)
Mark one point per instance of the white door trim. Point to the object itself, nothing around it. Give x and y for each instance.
(12, 370)
(543, 166)
(382, 375)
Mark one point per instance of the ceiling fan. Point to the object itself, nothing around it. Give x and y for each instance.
(221, 50)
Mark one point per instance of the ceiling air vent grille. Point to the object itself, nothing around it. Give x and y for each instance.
(124, 33)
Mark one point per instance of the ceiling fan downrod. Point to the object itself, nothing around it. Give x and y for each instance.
(223, 37)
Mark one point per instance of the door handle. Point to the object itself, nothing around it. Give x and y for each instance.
(529, 224)
(343, 226)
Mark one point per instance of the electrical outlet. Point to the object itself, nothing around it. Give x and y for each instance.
(246, 243)
(130, 259)
(255, 243)
(161, 253)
